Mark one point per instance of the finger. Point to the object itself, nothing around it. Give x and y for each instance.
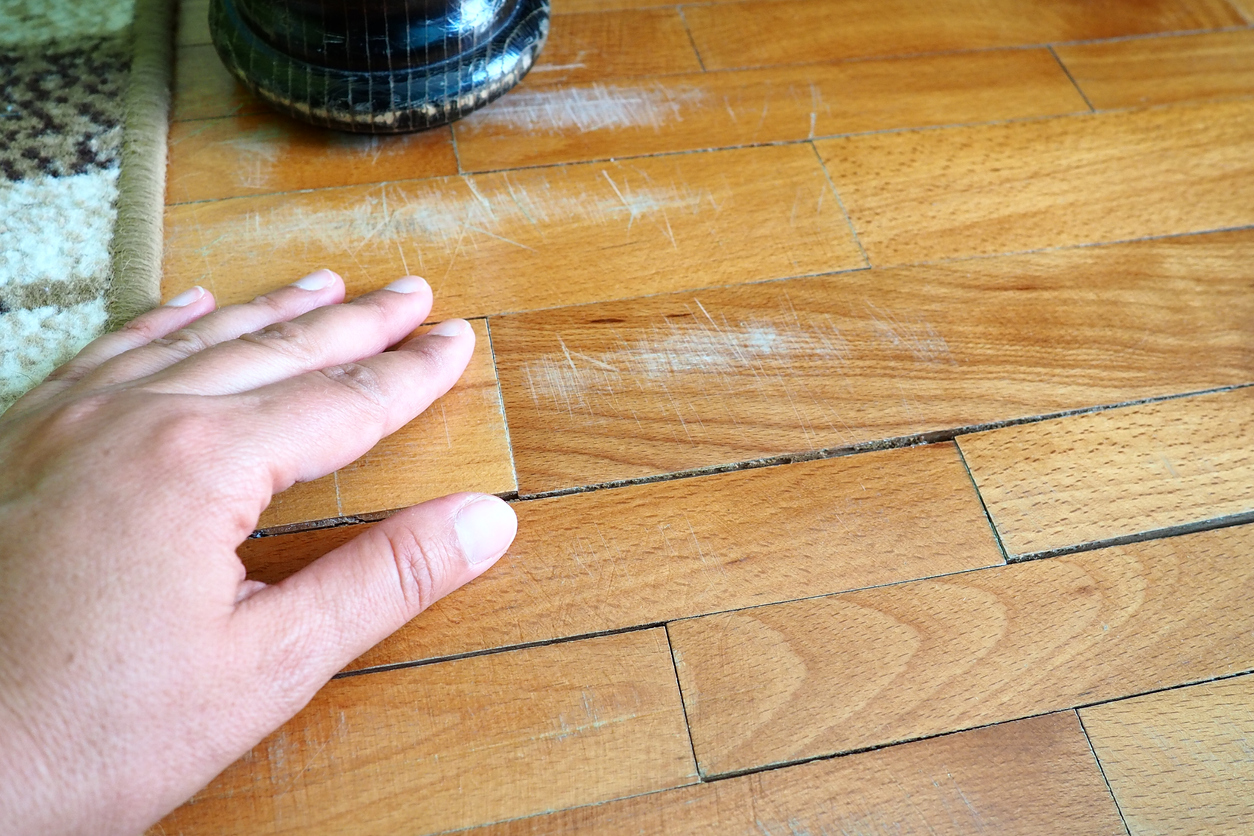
(179, 312)
(315, 622)
(320, 288)
(320, 421)
(323, 337)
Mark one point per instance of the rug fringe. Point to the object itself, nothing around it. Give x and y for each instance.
(138, 239)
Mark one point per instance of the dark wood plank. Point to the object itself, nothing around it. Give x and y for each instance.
(810, 678)
(670, 383)
(610, 560)
(1018, 779)
(424, 750)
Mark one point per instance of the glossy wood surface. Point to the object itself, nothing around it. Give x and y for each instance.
(1106, 475)
(810, 678)
(1017, 779)
(609, 560)
(461, 743)
(1179, 761)
(671, 383)
(1029, 185)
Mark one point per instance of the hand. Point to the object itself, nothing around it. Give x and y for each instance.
(136, 662)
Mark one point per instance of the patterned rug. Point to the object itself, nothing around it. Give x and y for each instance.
(82, 164)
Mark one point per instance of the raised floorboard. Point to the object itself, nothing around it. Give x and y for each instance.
(212, 159)
(1180, 761)
(765, 32)
(531, 239)
(459, 444)
(458, 744)
(1109, 475)
(620, 118)
(1018, 779)
(615, 559)
(634, 389)
(1155, 71)
(925, 195)
(810, 678)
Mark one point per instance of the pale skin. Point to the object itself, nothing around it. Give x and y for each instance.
(136, 660)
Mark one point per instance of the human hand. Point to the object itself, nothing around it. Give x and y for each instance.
(136, 662)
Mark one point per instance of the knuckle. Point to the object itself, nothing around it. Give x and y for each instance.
(285, 337)
(361, 381)
(181, 344)
(420, 565)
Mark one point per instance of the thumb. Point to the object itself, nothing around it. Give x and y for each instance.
(309, 626)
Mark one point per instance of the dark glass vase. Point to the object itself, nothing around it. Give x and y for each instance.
(379, 66)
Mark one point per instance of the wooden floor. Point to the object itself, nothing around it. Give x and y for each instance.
(868, 378)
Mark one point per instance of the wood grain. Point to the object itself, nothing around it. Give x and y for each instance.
(542, 125)
(1017, 779)
(203, 89)
(1107, 475)
(459, 444)
(1053, 183)
(1152, 71)
(610, 560)
(628, 390)
(531, 239)
(268, 153)
(428, 749)
(614, 44)
(193, 24)
(809, 678)
(1179, 761)
(765, 32)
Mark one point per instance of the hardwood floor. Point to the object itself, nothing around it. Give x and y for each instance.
(870, 380)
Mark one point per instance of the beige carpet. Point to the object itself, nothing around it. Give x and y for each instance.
(82, 165)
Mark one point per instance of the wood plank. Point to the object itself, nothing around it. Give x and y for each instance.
(671, 383)
(423, 750)
(564, 7)
(809, 678)
(203, 89)
(1109, 475)
(542, 125)
(1028, 185)
(1018, 779)
(1179, 761)
(766, 32)
(459, 444)
(268, 153)
(610, 560)
(614, 44)
(1151, 71)
(527, 239)
(1245, 7)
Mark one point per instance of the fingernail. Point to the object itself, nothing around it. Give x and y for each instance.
(409, 284)
(485, 528)
(194, 294)
(450, 328)
(317, 280)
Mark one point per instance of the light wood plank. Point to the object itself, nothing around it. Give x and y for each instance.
(459, 444)
(1018, 779)
(628, 390)
(268, 153)
(766, 32)
(610, 560)
(531, 239)
(542, 125)
(1245, 7)
(1180, 761)
(462, 743)
(1028, 185)
(1109, 475)
(810, 678)
(1153, 71)
(614, 44)
(203, 89)
(564, 7)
